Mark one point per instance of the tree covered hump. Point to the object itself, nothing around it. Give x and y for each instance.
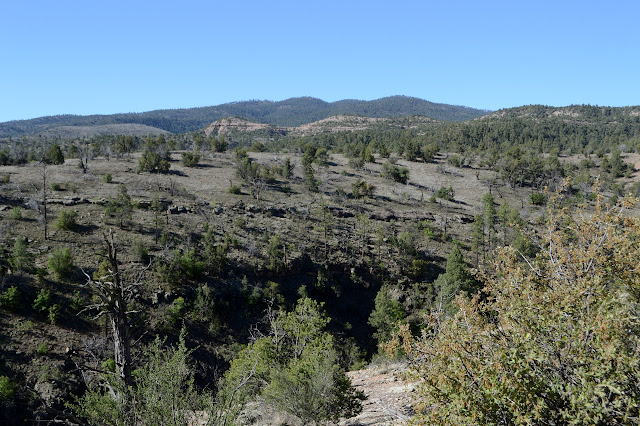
(290, 112)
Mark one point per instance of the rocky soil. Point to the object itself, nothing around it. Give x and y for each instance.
(388, 396)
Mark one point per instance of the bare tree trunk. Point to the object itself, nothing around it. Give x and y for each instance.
(44, 198)
(118, 315)
(114, 294)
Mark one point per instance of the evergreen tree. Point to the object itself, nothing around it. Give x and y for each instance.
(385, 315)
(293, 368)
(54, 155)
(120, 207)
(456, 279)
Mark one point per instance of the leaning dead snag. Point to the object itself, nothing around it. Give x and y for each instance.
(115, 294)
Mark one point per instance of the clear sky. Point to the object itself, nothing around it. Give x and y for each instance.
(102, 57)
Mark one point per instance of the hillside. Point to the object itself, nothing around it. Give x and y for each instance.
(71, 132)
(576, 113)
(290, 112)
(222, 240)
(240, 127)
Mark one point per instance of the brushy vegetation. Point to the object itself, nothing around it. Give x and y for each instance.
(551, 341)
(515, 330)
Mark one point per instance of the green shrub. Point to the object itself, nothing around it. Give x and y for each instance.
(395, 173)
(538, 199)
(7, 388)
(140, 251)
(54, 155)
(107, 178)
(109, 365)
(77, 302)
(360, 189)
(190, 159)
(445, 193)
(60, 262)
(454, 160)
(54, 314)
(42, 349)
(20, 259)
(16, 213)
(55, 186)
(234, 189)
(175, 311)
(67, 220)
(10, 298)
(41, 274)
(219, 145)
(154, 163)
(43, 301)
(190, 264)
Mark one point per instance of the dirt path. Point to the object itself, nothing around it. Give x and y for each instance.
(388, 396)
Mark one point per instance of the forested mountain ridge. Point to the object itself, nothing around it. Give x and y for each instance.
(578, 113)
(291, 112)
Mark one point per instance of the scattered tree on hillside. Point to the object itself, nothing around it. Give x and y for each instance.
(54, 155)
(120, 207)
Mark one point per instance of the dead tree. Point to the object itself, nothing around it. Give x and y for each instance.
(115, 295)
(44, 196)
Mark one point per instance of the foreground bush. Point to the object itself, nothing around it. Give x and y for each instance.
(294, 369)
(554, 340)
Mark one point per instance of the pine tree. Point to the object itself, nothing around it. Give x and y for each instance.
(456, 279)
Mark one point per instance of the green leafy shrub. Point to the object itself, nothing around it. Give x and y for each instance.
(54, 155)
(107, 178)
(55, 186)
(538, 199)
(10, 298)
(299, 374)
(360, 189)
(140, 252)
(445, 193)
(234, 189)
(42, 303)
(219, 145)
(54, 314)
(395, 173)
(16, 213)
(120, 207)
(61, 262)
(42, 349)
(386, 313)
(190, 159)
(7, 388)
(20, 259)
(190, 264)
(553, 341)
(163, 393)
(154, 163)
(454, 160)
(175, 311)
(67, 220)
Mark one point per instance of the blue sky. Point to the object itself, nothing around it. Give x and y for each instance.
(102, 57)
